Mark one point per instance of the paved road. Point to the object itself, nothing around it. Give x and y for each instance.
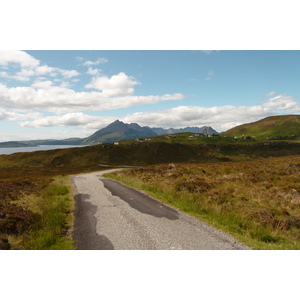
(109, 216)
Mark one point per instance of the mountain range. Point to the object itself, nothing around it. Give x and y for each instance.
(118, 131)
(274, 127)
(114, 132)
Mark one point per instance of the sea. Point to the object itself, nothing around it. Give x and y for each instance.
(36, 148)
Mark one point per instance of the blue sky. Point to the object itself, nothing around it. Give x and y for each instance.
(70, 93)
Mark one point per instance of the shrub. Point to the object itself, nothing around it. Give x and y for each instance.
(14, 219)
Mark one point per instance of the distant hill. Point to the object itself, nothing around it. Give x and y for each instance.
(13, 145)
(205, 130)
(118, 131)
(278, 127)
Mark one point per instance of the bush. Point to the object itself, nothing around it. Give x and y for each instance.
(14, 219)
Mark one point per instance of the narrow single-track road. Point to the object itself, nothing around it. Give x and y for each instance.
(110, 215)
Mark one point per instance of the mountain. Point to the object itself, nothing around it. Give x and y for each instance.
(278, 127)
(117, 131)
(205, 130)
(114, 132)
(208, 130)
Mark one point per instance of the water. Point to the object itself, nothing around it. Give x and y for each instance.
(38, 148)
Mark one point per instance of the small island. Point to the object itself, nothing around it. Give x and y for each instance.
(13, 145)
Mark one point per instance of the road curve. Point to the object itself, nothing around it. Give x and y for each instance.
(110, 215)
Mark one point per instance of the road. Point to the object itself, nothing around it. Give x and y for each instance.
(110, 216)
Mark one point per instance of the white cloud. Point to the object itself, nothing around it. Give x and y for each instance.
(18, 57)
(117, 85)
(99, 61)
(92, 71)
(176, 96)
(29, 66)
(43, 95)
(282, 102)
(44, 84)
(43, 70)
(221, 118)
(14, 116)
(70, 119)
(68, 73)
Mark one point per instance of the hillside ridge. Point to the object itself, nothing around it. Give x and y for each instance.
(274, 127)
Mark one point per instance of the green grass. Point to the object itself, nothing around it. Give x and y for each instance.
(277, 127)
(54, 220)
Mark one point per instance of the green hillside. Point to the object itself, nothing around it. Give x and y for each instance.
(276, 127)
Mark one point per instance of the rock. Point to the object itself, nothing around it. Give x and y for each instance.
(171, 166)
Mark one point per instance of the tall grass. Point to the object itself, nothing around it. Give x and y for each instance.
(55, 220)
(256, 202)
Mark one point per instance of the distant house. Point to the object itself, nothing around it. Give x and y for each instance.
(116, 143)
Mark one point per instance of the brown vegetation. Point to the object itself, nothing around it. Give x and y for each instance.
(20, 193)
(257, 201)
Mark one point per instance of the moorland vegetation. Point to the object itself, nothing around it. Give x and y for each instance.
(258, 202)
(248, 186)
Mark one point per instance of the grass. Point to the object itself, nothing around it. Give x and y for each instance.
(277, 127)
(257, 202)
(53, 221)
(36, 202)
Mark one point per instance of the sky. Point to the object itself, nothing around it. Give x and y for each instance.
(71, 93)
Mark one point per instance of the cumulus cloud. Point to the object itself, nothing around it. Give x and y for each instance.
(45, 96)
(92, 71)
(282, 102)
(70, 119)
(52, 93)
(118, 85)
(17, 57)
(14, 116)
(29, 66)
(218, 117)
(221, 118)
(99, 61)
